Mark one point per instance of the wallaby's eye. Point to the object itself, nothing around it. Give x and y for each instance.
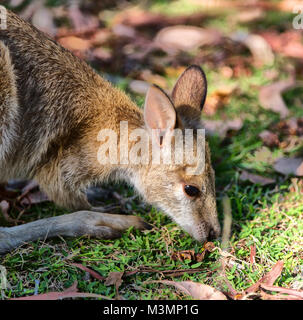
(191, 191)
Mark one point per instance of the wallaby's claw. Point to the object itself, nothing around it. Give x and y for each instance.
(145, 225)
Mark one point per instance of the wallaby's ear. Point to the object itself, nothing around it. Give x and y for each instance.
(159, 113)
(190, 89)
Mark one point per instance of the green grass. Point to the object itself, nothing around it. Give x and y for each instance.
(268, 217)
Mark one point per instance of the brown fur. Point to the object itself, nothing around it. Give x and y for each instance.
(52, 107)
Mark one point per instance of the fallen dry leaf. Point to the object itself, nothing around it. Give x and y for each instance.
(100, 37)
(191, 255)
(287, 166)
(252, 256)
(269, 138)
(122, 30)
(196, 290)
(71, 292)
(268, 279)
(184, 255)
(93, 273)
(139, 87)
(266, 296)
(186, 38)
(100, 54)
(75, 43)
(292, 292)
(151, 78)
(82, 23)
(260, 49)
(218, 99)
(250, 15)
(115, 278)
(292, 126)
(138, 18)
(271, 99)
(257, 45)
(288, 43)
(255, 178)
(221, 127)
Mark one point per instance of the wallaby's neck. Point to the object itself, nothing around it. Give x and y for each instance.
(116, 113)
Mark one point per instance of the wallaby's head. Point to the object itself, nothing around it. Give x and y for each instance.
(184, 190)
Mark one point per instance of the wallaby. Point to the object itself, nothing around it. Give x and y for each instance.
(52, 108)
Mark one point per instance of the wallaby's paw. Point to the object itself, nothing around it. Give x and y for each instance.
(144, 225)
(135, 221)
(101, 232)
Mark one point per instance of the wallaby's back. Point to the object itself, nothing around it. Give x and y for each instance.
(59, 95)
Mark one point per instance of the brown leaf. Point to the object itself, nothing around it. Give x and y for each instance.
(191, 255)
(258, 46)
(184, 255)
(252, 257)
(255, 178)
(151, 78)
(287, 166)
(138, 18)
(260, 49)
(218, 99)
(266, 296)
(269, 278)
(71, 292)
(124, 31)
(288, 43)
(292, 126)
(273, 274)
(271, 99)
(269, 138)
(186, 38)
(196, 290)
(139, 86)
(82, 23)
(93, 273)
(100, 37)
(292, 292)
(115, 278)
(250, 15)
(221, 127)
(75, 43)
(100, 54)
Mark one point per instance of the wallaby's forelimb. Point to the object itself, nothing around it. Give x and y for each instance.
(8, 103)
(81, 223)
